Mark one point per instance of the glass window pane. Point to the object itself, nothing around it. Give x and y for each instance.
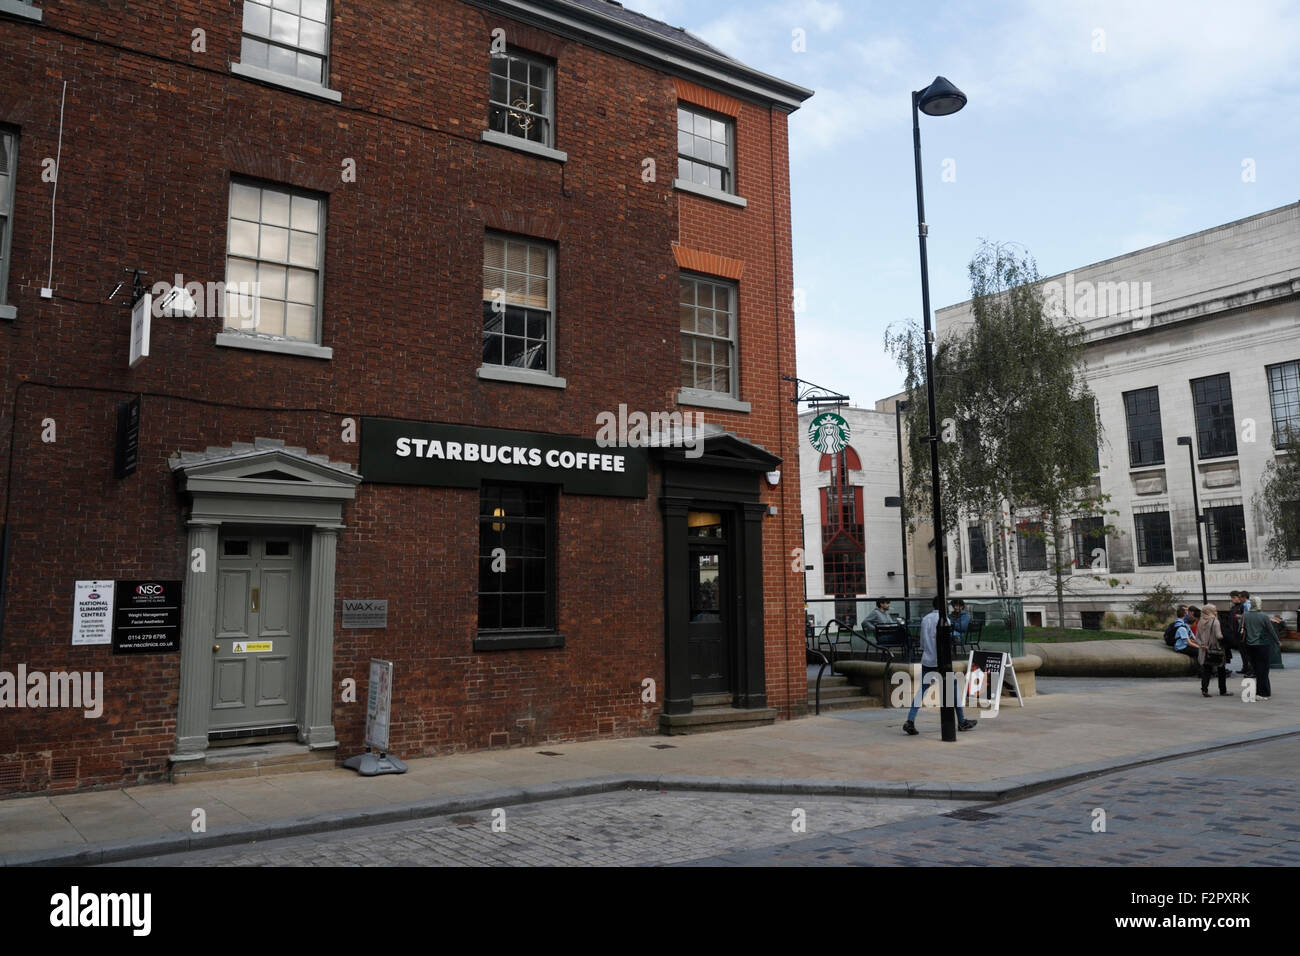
(305, 214)
(284, 28)
(253, 52)
(311, 68)
(241, 272)
(272, 281)
(300, 322)
(302, 249)
(718, 130)
(684, 120)
(244, 201)
(271, 317)
(275, 244)
(243, 238)
(291, 5)
(282, 60)
(314, 9)
(302, 286)
(701, 126)
(275, 207)
(257, 19)
(311, 36)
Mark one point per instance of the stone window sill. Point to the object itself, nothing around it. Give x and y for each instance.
(524, 146)
(24, 10)
(716, 400)
(521, 376)
(288, 82)
(517, 642)
(708, 192)
(260, 343)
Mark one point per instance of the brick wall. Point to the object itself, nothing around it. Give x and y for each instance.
(153, 132)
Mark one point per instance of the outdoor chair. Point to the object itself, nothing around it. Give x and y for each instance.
(969, 641)
(895, 635)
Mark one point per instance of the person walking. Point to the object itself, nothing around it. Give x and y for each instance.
(1260, 636)
(1209, 645)
(930, 666)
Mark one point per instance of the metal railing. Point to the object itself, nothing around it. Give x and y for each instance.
(1003, 618)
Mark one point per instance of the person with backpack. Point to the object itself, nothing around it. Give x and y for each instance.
(1208, 643)
(1183, 634)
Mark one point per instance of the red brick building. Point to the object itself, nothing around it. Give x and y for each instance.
(430, 248)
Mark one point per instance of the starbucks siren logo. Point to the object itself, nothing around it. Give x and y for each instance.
(828, 433)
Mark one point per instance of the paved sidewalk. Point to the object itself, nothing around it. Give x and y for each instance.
(1072, 730)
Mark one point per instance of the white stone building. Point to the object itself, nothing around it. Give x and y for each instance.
(852, 541)
(1198, 338)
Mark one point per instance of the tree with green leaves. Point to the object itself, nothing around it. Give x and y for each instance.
(1018, 426)
(1278, 501)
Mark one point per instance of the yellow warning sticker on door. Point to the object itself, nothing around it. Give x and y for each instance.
(252, 647)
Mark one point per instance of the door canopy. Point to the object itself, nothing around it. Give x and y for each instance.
(265, 482)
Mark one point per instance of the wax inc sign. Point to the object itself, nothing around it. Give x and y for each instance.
(367, 613)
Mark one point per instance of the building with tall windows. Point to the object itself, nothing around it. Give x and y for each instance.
(465, 356)
(1193, 354)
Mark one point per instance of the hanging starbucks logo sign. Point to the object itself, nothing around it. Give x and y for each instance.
(828, 433)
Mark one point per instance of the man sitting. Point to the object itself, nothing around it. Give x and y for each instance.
(960, 620)
(1183, 632)
(879, 614)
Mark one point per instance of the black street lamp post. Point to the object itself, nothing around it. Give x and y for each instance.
(940, 98)
(899, 407)
(1200, 518)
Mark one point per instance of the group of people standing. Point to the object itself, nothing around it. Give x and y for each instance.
(1209, 639)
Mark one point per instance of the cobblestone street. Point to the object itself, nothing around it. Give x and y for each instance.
(1165, 814)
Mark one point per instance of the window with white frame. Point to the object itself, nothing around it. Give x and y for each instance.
(8, 177)
(273, 262)
(289, 37)
(520, 98)
(706, 148)
(707, 309)
(518, 303)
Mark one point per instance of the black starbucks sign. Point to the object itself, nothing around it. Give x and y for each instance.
(462, 456)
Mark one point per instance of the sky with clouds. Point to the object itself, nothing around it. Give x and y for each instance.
(1093, 128)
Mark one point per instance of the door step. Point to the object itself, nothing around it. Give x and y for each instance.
(716, 717)
(720, 699)
(838, 693)
(253, 760)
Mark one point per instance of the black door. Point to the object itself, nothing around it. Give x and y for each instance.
(711, 599)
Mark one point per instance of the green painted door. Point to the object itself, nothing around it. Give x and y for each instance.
(258, 634)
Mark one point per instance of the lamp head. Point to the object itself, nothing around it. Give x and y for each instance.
(940, 98)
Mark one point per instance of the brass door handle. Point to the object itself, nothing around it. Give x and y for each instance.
(257, 593)
(215, 648)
